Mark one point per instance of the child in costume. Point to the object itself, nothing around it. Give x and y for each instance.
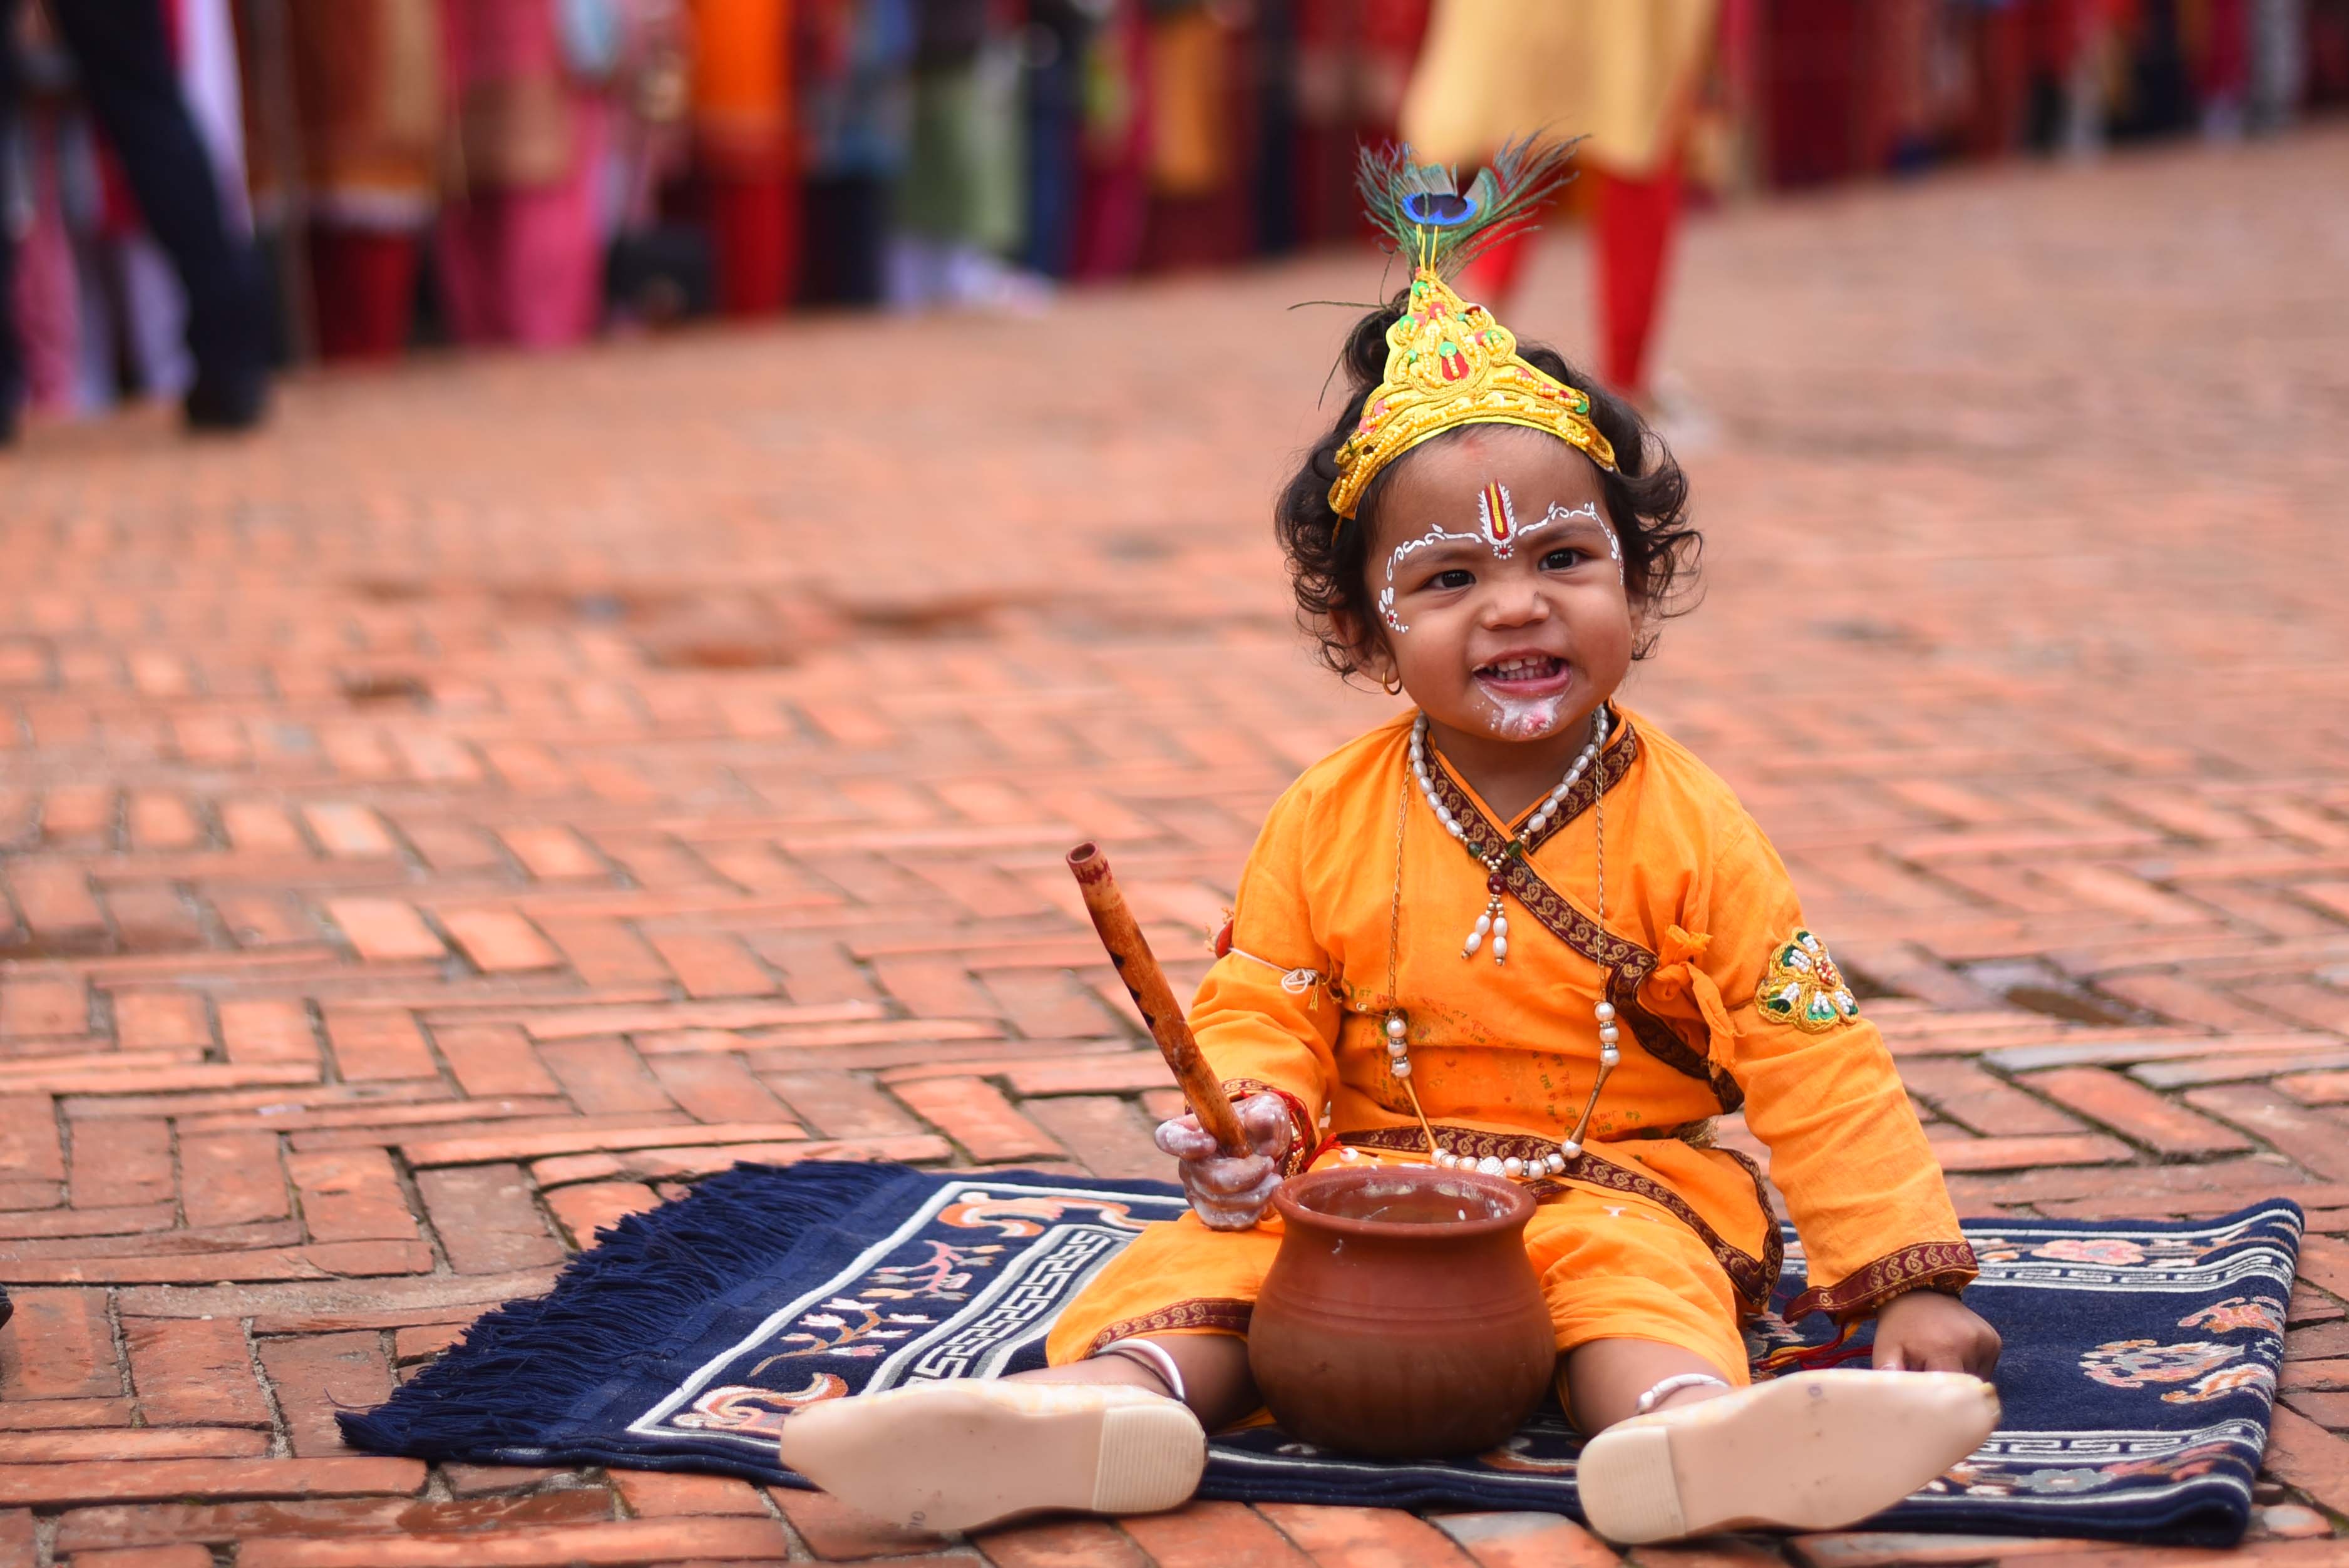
(1524, 932)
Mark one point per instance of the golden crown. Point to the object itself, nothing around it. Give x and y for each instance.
(1449, 362)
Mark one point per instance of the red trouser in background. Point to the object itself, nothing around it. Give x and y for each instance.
(365, 283)
(754, 230)
(1634, 221)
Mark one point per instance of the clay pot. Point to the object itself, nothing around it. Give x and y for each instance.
(1401, 1318)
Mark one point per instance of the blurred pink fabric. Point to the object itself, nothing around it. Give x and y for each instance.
(522, 261)
(48, 299)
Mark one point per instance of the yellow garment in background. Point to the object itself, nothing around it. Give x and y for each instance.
(1187, 98)
(1620, 72)
(370, 96)
(1504, 1056)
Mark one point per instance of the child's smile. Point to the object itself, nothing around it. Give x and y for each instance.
(1524, 673)
(1501, 598)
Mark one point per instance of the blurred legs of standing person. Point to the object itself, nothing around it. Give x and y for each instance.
(743, 112)
(857, 53)
(364, 281)
(522, 265)
(518, 252)
(2279, 63)
(2000, 79)
(1637, 221)
(2225, 78)
(1634, 221)
(370, 101)
(2089, 43)
(1625, 78)
(123, 51)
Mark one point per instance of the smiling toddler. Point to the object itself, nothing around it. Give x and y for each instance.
(1519, 930)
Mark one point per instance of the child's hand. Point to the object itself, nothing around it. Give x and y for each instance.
(1229, 1193)
(1925, 1331)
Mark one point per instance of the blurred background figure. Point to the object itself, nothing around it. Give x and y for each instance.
(744, 145)
(855, 53)
(1624, 77)
(2277, 63)
(369, 88)
(432, 174)
(520, 247)
(655, 267)
(138, 243)
(958, 208)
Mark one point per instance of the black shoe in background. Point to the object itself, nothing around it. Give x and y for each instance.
(6, 1309)
(225, 405)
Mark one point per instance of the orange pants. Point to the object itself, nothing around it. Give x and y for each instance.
(1612, 1265)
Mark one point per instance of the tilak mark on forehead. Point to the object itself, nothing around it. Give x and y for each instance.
(1497, 520)
(1497, 529)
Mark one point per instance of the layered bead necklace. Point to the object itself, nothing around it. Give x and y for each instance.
(1495, 924)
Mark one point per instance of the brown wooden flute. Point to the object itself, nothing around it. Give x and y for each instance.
(1147, 984)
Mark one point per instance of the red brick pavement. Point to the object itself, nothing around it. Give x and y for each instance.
(509, 789)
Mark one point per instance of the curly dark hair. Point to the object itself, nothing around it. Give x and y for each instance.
(1647, 502)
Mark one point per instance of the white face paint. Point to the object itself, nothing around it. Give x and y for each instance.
(1614, 543)
(1561, 513)
(1498, 531)
(1403, 552)
(1522, 720)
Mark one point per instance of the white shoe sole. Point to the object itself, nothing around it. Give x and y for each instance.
(955, 1456)
(1814, 1450)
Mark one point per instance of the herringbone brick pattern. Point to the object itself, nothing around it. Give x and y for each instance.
(508, 791)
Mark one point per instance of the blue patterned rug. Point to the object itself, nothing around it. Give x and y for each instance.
(2141, 1356)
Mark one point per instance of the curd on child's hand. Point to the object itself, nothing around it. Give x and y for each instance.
(1925, 1331)
(1228, 1192)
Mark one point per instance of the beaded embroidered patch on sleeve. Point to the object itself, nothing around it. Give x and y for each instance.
(1802, 986)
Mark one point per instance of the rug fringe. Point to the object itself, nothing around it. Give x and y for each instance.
(615, 1307)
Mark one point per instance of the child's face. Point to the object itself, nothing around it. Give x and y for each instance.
(1498, 585)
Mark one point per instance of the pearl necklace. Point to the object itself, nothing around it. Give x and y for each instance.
(1493, 923)
(1398, 1025)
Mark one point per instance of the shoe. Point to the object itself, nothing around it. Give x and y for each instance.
(1812, 1450)
(226, 405)
(954, 1456)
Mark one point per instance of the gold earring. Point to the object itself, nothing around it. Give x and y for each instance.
(1391, 683)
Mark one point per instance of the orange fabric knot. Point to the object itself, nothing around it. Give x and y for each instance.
(1678, 979)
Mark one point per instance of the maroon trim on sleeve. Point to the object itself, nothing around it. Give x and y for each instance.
(1945, 1266)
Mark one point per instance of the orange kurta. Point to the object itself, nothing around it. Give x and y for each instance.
(1700, 916)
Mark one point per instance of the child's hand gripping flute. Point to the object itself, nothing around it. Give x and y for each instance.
(1230, 1156)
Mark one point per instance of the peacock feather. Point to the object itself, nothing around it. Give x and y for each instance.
(1426, 219)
